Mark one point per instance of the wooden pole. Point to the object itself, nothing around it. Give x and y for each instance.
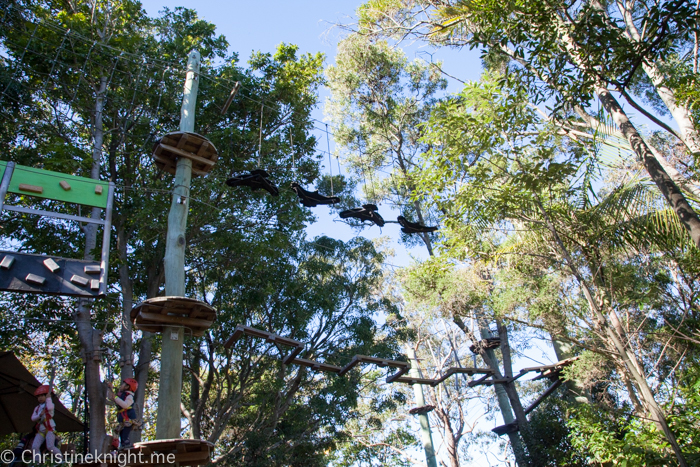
(426, 435)
(170, 388)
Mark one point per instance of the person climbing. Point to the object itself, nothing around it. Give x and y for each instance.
(43, 415)
(126, 415)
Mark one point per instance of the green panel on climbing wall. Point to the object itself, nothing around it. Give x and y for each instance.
(57, 186)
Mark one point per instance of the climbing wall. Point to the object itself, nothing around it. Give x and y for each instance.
(48, 274)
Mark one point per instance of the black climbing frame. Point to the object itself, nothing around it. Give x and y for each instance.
(368, 212)
(256, 180)
(414, 227)
(312, 199)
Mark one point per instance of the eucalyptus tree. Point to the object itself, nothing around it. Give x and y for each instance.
(512, 187)
(379, 101)
(570, 53)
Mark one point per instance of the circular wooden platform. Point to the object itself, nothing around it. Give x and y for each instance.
(196, 147)
(154, 314)
(177, 452)
(182, 451)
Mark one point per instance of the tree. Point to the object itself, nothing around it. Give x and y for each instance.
(576, 52)
(379, 100)
(537, 190)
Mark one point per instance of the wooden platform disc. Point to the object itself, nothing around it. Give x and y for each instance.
(154, 314)
(179, 144)
(184, 451)
(178, 452)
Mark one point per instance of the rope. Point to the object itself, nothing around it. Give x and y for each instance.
(330, 163)
(82, 72)
(291, 144)
(262, 107)
(19, 63)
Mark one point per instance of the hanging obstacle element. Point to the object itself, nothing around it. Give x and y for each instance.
(192, 146)
(240, 331)
(154, 314)
(398, 377)
(368, 212)
(413, 227)
(552, 372)
(311, 199)
(256, 180)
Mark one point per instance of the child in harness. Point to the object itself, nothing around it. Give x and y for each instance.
(126, 415)
(45, 425)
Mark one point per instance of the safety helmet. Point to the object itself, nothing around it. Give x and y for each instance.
(132, 383)
(43, 389)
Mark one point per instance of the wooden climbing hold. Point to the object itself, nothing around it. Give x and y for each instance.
(93, 269)
(79, 280)
(35, 279)
(7, 262)
(51, 265)
(65, 185)
(31, 188)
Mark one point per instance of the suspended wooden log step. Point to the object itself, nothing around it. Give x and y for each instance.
(505, 429)
(197, 148)
(311, 199)
(412, 380)
(314, 365)
(413, 227)
(489, 382)
(240, 331)
(421, 410)
(551, 372)
(485, 344)
(154, 314)
(381, 362)
(447, 374)
(368, 212)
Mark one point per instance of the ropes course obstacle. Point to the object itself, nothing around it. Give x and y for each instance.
(552, 372)
(48, 274)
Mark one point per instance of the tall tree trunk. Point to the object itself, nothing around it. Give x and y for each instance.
(90, 338)
(673, 195)
(680, 114)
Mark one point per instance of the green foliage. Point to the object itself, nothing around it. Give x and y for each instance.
(618, 438)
